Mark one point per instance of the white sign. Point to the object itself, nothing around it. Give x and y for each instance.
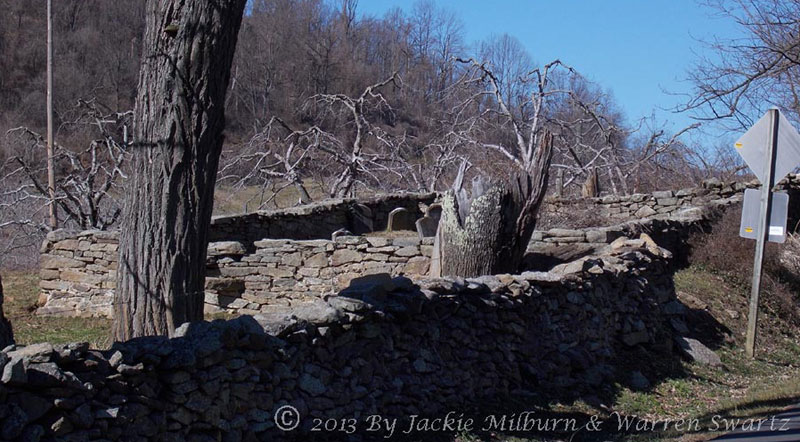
(753, 145)
(777, 219)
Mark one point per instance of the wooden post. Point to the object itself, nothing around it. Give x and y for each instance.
(560, 183)
(763, 234)
(51, 179)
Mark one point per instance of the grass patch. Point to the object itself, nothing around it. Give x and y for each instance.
(21, 292)
(742, 387)
(236, 200)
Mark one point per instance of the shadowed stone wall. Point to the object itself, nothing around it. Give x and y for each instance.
(317, 220)
(381, 346)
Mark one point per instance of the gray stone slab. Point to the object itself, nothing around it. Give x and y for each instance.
(426, 226)
(400, 219)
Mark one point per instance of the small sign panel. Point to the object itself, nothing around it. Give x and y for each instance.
(753, 145)
(777, 217)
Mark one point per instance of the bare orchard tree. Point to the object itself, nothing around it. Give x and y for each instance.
(656, 157)
(488, 231)
(279, 157)
(595, 149)
(23, 217)
(89, 162)
(350, 144)
(361, 153)
(436, 159)
(88, 181)
(274, 159)
(589, 138)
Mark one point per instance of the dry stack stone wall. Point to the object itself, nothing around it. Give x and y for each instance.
(317, 220)
(78, 273)
(383, 346)
(78, 268)
(641, 205)
(284, 273)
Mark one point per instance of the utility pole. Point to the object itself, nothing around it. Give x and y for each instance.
(51, 178)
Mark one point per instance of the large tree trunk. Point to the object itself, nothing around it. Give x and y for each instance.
(178, 123)
(6, 333)
(489, 232)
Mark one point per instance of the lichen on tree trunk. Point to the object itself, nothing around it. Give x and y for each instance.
(177, 140)
(488, 232)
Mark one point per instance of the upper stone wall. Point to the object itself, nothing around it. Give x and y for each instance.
(317, 220)
(79, 268)
(641, 205)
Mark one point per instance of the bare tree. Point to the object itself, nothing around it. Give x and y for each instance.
(347, 143)
(87, 190)
(88, 183)
(355, 157)
(274, 159)
(593, 146)
(757, 70)
(177, 140)
(488, 231)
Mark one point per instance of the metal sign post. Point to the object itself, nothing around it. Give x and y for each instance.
(763, 232)
(772, 150)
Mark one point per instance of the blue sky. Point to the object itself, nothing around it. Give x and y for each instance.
(637, 49)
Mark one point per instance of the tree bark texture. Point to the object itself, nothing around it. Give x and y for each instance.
(591, 187)
(6, 333)
(489, 233)
(177, 140)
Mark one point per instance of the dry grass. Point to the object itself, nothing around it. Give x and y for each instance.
(231, 201)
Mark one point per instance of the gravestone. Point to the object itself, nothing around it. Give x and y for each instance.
(434, 211)
(360, 219)
(426, 226)
(340, 232)
(400, 219)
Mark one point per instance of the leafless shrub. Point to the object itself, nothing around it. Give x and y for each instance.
(724, 253)
(88, 180)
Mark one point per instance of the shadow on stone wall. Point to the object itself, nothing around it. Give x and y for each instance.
(387, 347)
